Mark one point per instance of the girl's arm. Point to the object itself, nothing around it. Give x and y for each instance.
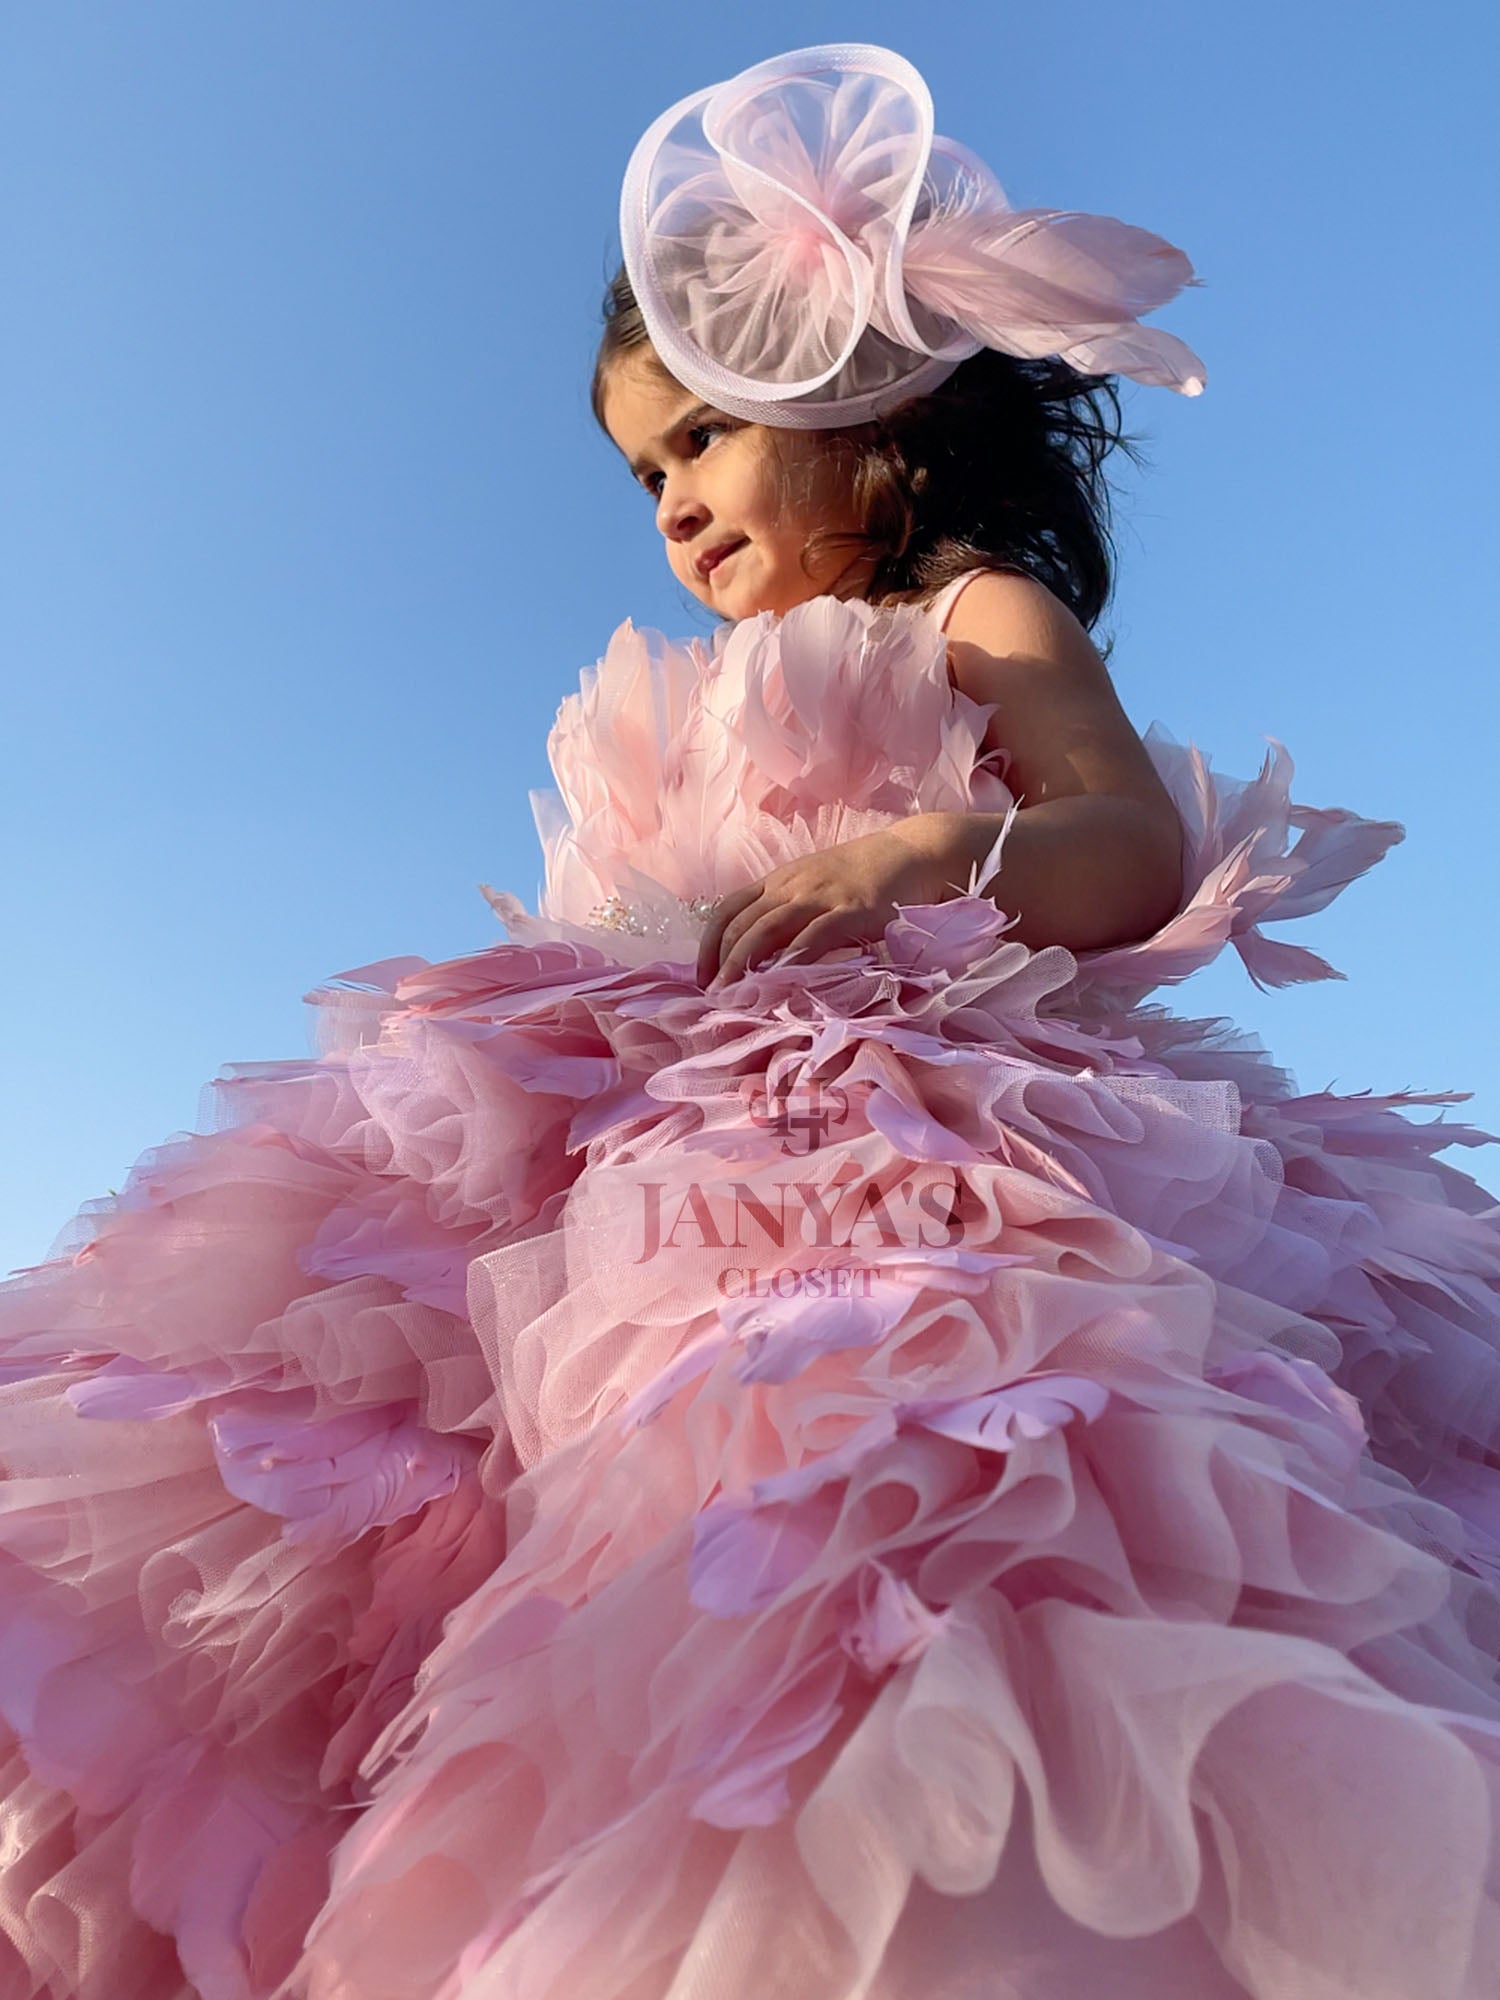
(1095, 854)
(1093, 857)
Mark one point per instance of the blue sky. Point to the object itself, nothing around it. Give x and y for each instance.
(308, 529)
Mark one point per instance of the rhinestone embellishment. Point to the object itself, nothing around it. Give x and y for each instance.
(615, 915)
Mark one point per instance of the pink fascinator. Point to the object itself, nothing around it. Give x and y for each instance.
(807, 253)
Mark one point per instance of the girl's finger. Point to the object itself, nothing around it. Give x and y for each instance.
(824, 934)
(736, 928)
(729, 906)
(753, 938)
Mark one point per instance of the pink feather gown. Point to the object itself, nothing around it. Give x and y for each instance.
(919, 1475)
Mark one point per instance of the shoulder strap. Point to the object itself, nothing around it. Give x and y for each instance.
(941, 606)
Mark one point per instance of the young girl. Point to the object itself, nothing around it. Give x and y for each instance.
(785, 1434)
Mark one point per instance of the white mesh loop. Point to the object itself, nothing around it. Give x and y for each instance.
(806, 251)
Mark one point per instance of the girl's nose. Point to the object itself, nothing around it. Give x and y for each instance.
(679, 516)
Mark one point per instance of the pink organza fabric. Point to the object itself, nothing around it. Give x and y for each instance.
(443, 1558)
(808, 252)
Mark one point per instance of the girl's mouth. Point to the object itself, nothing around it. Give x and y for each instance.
(716, 557)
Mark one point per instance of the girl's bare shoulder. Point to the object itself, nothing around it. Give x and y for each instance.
(1003, 614)
(1013, 644)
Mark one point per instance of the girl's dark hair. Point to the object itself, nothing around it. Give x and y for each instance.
(1000, 467)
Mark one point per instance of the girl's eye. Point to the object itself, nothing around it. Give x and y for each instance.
(699, 437)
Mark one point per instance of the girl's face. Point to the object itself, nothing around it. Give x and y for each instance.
(735, 501)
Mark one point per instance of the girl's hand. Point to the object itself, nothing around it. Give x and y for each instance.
(840, 896)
